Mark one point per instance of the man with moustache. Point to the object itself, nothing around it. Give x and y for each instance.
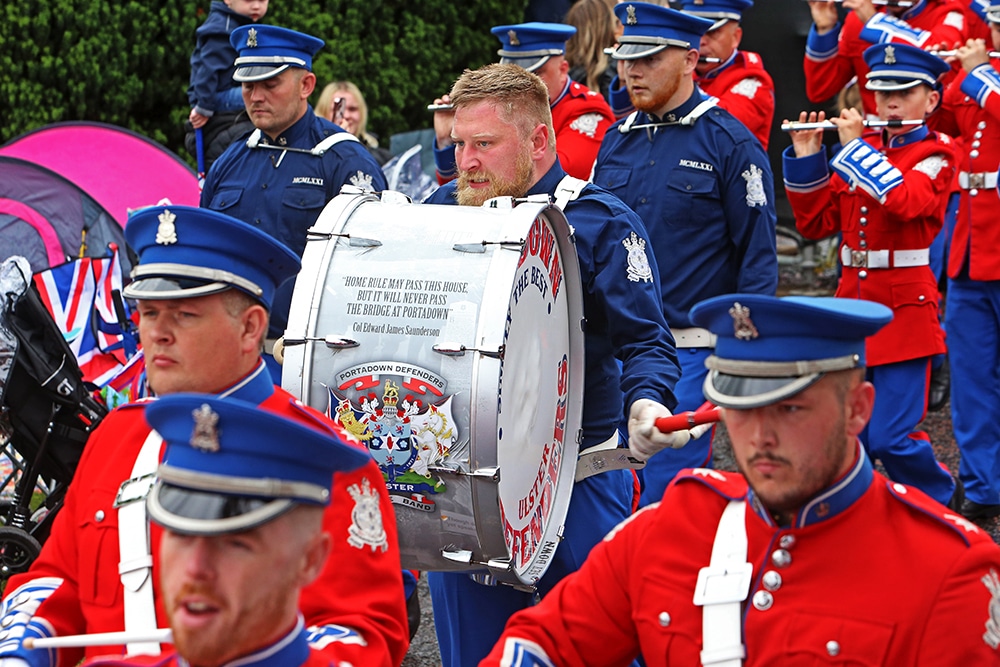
(505, 147)
(243, 530)
(703, 187)
(809, 556)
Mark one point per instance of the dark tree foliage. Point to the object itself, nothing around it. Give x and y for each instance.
(125, 62)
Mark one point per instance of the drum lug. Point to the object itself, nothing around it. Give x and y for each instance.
(332, 341)
(458, 350)
(353, 241)
(492, 474)
(459, 556)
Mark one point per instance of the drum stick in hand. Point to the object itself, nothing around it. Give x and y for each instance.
(706, 414)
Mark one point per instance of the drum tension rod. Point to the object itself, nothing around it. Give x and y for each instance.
(353, 241)
(465, 556)
(480, 247)
(492, 474)
(458, 350)
(332, 341)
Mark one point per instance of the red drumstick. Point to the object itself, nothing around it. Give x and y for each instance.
(706, 414)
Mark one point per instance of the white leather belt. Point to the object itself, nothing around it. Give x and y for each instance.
(136, 564)
(880, 259)
(721, 589)
(977, 180)
(693, 337)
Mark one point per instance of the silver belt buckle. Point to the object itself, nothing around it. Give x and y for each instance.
(134, 489)
(977, 180)
(859, 259)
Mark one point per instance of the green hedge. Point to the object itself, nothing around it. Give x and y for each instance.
(126, 62)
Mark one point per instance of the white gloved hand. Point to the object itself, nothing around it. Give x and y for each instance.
(644, 439)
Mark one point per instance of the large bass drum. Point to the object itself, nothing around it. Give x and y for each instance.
(448, 340)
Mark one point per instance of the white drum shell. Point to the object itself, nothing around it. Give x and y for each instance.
(432, 291)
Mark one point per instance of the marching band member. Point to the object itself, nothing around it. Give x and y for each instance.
(580, 116)
(505, 146)
(204, 285)
(835, 51)
(243, 534)
(281, 177)
(809, 556)
(971, 109)
(887, 199)
(738, 79)
(703, 187)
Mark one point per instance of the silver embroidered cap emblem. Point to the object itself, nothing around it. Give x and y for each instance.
(992, 634)
(631, 19)
(512, 36)
(743, 326)
(166, 233)
(890, 55)
(252, 37)
(206, 429)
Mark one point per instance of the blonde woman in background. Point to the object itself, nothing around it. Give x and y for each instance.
(350, 113)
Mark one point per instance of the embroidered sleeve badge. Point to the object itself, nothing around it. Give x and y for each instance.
(746, 88)
(638, 263)
(755, 186)
(992, 634)
(366, 527)
(587, 124)
(931, 166)
(362, 180)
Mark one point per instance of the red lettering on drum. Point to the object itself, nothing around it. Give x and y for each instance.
(541, 243)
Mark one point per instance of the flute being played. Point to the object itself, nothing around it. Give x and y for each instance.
(883, 3)
(439, 107)
(954, 52)
(827, 125)
(159, 635)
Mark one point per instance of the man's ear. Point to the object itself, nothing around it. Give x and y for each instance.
(308, 84)
(254, 321)
(858, 406)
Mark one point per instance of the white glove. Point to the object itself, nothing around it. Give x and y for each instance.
(644, 439)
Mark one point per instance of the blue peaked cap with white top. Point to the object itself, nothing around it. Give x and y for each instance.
(898, 66)
(720, 11)
(186, 251)
(769, 348)
(263, 51)
(228, 466)
(529, 45)
(649, 29)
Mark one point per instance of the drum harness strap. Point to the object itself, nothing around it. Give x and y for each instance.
(254, 141)
(133, 545)
(651, 128)
(607, 455)
(721, 589)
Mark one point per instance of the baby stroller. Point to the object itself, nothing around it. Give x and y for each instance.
(46, 415)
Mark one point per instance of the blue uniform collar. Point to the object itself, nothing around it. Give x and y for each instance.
(299, 135)
(831, 501)
(919, 133)
(291, 650)
(562, 94)
(546, 185)
(684, 109)
(254, 388)
(722, 67)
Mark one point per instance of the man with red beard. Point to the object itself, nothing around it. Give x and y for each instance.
(505, 147)
(233, 507)
(703, 187)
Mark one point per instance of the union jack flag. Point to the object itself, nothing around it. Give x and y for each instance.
(78, 294)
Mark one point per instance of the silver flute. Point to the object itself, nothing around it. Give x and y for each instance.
(827, 125)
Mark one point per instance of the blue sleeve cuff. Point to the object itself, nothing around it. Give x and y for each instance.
(981, 82)
(804, 174)
(883, 28)
(444, 161)
(859, 163)
(822, 47)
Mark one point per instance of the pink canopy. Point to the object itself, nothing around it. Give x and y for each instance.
(120, 169)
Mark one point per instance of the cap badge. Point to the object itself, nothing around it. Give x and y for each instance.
(206, 429)
(743, 326)
(631, 19)
(166, 233)
(252, 37)
(512, 36)
(890, 55)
